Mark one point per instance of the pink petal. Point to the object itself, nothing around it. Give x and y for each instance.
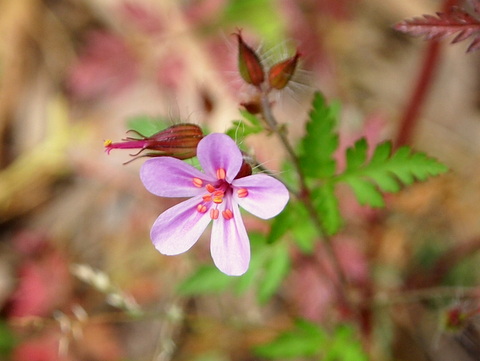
(219, 151)
(266, 196)
(230, 246)
(178, 228)
(170, 177)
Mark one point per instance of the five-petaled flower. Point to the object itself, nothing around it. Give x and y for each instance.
(215, 195)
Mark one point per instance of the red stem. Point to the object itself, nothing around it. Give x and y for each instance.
(420, 92)
(410, 117)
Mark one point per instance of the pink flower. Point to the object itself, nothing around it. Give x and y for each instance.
(215, 196)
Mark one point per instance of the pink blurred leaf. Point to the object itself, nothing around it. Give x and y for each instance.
(456, 21)
(44, 347)
(143, 18)
(43, 286)
(202, 11)
(105, 67)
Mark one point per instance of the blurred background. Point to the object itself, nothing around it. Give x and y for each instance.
(79, 277)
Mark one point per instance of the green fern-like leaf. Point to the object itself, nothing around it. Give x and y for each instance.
(385, 171)
(320, 141)
(326, 204)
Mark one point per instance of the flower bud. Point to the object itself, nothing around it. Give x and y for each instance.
(281, 73)
(179, 141)
(253, 107)
(245, 170)
(249, 65)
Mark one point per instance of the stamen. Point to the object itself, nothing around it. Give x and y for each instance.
(107, 143)
(202, 208)
(217, 197)
(197, 182)
(242, 193)
(227, 214)
(207, 198)
(221, 174)
(214, 213)
(210, 188)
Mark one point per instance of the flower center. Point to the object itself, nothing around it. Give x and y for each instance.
(216, 193)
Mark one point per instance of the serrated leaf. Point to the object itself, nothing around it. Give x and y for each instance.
(305, 340)
(365, 192)
(326, 204)
(344, 346)
(455, 21)
(357, 155)
(275, 271)
(385, 182)
(385, 171)
(381, 153)
(207, 279)
(321, 141)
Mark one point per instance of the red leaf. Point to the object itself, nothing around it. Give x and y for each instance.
(43, 285)
(106, 66)
(443, 25)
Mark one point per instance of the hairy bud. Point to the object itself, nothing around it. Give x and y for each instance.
(249, 65)
(245, 170)
(281, 73)
(179, 141)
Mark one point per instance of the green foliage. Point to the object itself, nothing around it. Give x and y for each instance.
(277, 266)
(7, 339)
(385, 171)
(464, 273)
(368, 176)
(320, 140)
(269, 265)
(294, 219)
(240, 129)
(344, 346)
(326, 204)
(307, 339)
(206, 279)
(259, 15)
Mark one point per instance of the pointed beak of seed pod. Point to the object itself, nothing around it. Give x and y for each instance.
(249, 65)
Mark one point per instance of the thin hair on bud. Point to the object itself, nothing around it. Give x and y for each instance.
(239, 124)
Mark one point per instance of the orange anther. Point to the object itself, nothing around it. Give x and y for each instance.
(207, 198)
(218, 197)
(242, 193)
(197, 182)
(221, 174)
(227, 214)
(202, 208)
(210, 188)
(214, 213)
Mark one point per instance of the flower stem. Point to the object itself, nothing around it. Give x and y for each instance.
(304, 195)
(419, 94)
